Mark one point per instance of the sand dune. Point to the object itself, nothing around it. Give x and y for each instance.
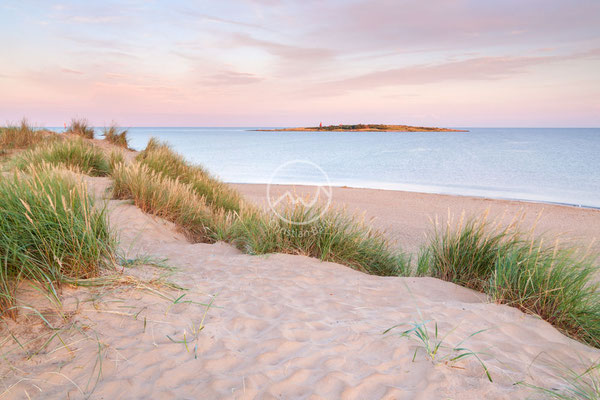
(281, 326)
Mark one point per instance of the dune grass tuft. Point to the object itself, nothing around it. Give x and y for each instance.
(115, 157)
(51, 231)
(159, 195)
(19, 137)
(160, 158)
(574, 385)
(73, 153)
(116, 136)
(332, 235)
(465, 253)
(553, 282)
(80, 127)
(435, 345)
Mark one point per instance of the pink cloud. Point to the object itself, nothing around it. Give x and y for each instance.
(451, 24)
(481, 68)
(71, 71)
(229, 78)
(284, 51)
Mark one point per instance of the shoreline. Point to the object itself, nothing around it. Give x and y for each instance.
(473, 196)
(363, 128)
(355, 130)
(407, 217)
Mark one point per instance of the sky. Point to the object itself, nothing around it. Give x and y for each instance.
(455, 63)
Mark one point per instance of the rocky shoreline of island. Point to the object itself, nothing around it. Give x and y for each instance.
(363, 128)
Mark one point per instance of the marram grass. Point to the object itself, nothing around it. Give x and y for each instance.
(435, 346)
(465, 253)
(50, 231)
(115, 157)
(164, 197)
(160, 158)
(556, 283)
(19, 137)
(80, 127)
(116, 136)
(330, 235)
(72, 153)
(574, 384)
(163, 183)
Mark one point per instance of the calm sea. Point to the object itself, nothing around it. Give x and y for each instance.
(554, 165)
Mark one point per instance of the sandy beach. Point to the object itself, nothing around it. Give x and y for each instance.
(282, 326)
(408, 217)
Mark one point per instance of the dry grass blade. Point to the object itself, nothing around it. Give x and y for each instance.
(75, 153)
(160, 158)
(167, 198)
(19, 136)
(582, 384)
(116, 136)
(80, 127)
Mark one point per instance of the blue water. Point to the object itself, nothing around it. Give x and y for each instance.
(553, 165)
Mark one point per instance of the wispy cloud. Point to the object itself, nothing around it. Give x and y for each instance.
(231, 78)
(190, 13)
(284, 51)
(89, 19)
(71, 71)
(480, 68)
(453, 24)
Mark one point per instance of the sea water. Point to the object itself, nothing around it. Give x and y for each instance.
(560, 165)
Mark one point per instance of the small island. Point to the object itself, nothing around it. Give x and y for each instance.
(364, 128)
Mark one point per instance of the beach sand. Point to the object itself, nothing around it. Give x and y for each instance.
(281, 326)
(407, 216)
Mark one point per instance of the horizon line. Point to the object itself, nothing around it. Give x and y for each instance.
(296, 126)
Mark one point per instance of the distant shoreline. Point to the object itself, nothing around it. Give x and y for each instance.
(431, 193)
(407, 216)
(363, 128)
